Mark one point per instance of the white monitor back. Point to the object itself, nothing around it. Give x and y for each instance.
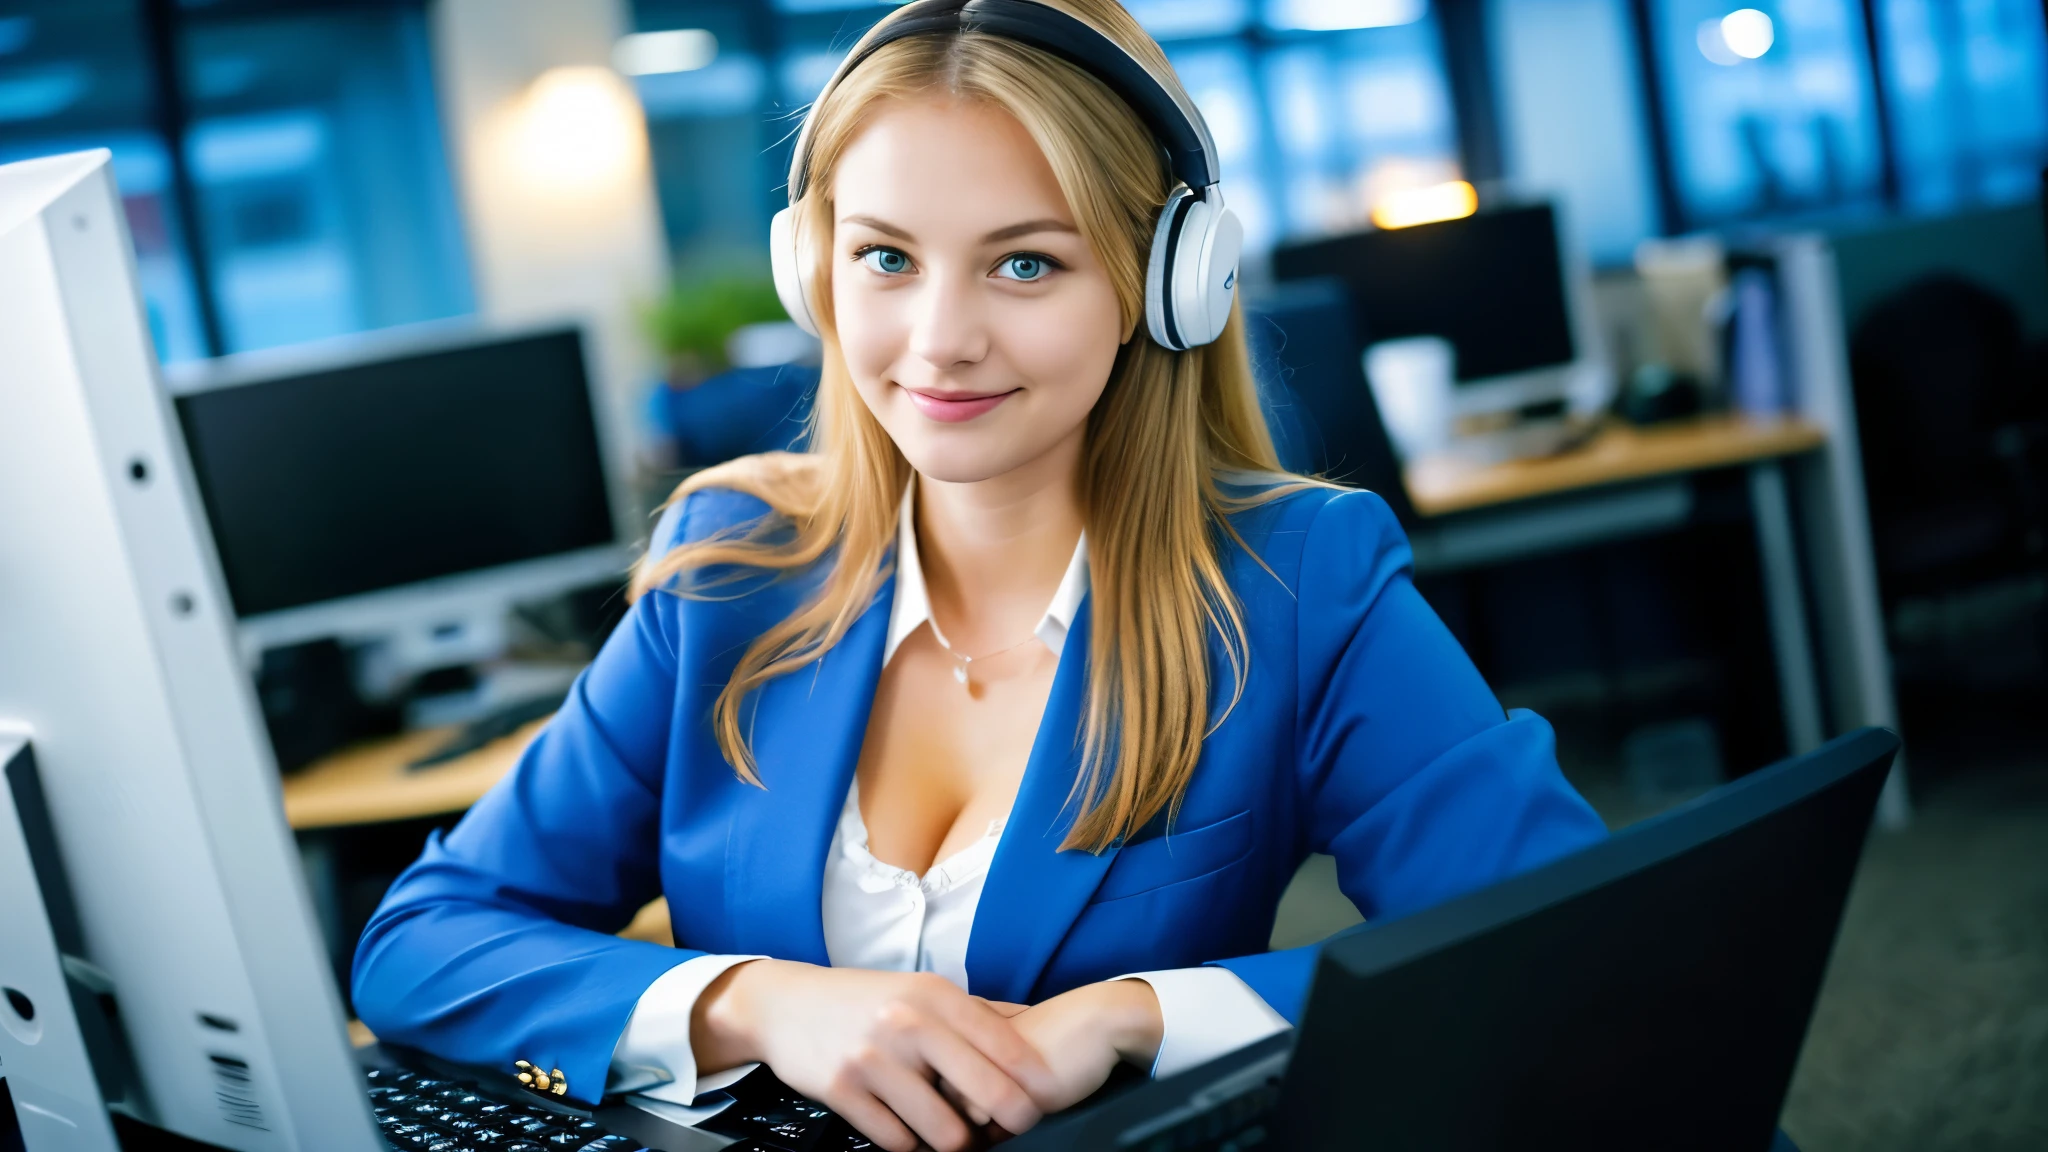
(117, 657)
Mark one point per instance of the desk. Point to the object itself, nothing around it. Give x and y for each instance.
(370, 784)
(1619, 453)
(1633, 481)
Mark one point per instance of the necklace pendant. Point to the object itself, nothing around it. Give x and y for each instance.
(960, 673)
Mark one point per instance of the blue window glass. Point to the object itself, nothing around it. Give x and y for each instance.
(1314, 104)
(1355, 115)
(75, 74)
(1968, 88)
(1770, 107)
(312, 144)
(316, 151)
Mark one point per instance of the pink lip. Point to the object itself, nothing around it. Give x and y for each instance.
(955, 407)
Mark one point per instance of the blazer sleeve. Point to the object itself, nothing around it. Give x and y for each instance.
(1408, 771)
(497, 944)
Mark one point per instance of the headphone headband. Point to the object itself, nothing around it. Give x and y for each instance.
(1175, 124)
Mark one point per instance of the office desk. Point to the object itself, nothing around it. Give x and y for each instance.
(1619, 453)
(370, 784)
(1629, 481)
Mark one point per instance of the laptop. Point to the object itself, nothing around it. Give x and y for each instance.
(1652, 991)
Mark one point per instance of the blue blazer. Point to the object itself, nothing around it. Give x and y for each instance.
(1363, 732)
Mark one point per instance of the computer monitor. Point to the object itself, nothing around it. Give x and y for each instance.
(402, 488)
(1502, 286)
(118, 665)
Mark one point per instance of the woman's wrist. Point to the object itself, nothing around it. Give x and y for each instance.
(1137, 1027)
(724, 1026)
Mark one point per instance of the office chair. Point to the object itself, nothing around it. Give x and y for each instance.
(1305, 350)
(1955, 447)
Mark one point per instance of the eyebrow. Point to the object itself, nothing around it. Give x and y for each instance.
(1027, 228)
(1010, 232)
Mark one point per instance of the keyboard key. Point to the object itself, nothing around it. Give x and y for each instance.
(460, 1097)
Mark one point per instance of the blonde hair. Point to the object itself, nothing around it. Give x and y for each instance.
(1168, 428)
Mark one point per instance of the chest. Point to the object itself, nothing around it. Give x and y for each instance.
(941, 759)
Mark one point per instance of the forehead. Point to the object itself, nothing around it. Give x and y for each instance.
(944, 165)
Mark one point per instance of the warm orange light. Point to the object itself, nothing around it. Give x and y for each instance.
(1407, 207)
(577, 131)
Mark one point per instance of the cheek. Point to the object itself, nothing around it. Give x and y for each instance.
(871, 335)
(1067, 344)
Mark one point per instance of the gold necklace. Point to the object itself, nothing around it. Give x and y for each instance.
(961, 663)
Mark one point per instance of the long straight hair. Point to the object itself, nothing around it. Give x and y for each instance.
(1168, 445)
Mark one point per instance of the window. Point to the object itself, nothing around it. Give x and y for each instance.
(306, 136)
(316, 150)
(1968, 87)
(75, 74)
(1770, 109)
(1313, 104)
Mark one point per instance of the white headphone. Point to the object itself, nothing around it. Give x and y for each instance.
(1192, 274)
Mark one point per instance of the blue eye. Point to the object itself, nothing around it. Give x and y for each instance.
(1024, 266)
(886, 260)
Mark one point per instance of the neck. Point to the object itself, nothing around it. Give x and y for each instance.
(994, 550)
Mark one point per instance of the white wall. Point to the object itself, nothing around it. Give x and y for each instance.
(558, 202)
(1572, 117)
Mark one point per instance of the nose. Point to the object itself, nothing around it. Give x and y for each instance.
(950, 327)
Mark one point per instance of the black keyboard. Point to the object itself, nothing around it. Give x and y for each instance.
(768, 1116)
(427, 1112)
(437, 1114)
(494, 725)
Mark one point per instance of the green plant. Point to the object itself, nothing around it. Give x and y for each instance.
(691, 324)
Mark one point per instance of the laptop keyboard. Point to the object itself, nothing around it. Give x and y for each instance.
(420, 1112)
(425, 1112)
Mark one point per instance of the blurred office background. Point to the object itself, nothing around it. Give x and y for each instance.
(302, 171)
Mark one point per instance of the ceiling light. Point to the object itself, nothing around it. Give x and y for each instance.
(1407, 207)
(1336, 15)
(1748, 32)
(653, 53)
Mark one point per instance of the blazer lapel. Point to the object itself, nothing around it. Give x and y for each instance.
(1034, 892)
(807, 732)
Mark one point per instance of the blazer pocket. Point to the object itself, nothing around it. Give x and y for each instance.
(1170, 859)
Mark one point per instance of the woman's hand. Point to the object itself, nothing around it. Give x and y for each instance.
(870, 1045)
(1083, 1033)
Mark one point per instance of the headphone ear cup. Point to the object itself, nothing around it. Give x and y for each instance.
(787, 261)
(1160, 268)
(1205, 271)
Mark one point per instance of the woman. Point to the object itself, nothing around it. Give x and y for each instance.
(974, 749)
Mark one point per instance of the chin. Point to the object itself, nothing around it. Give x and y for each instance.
(963, 460)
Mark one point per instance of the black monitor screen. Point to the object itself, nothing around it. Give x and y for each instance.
(1491, 284)
(354, 479)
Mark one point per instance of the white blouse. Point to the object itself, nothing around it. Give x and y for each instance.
(878, 916)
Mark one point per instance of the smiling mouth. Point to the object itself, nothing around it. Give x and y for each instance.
(955, 407)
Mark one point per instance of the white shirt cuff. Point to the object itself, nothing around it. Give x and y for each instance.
(1207, 1012)
(653, 1055)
